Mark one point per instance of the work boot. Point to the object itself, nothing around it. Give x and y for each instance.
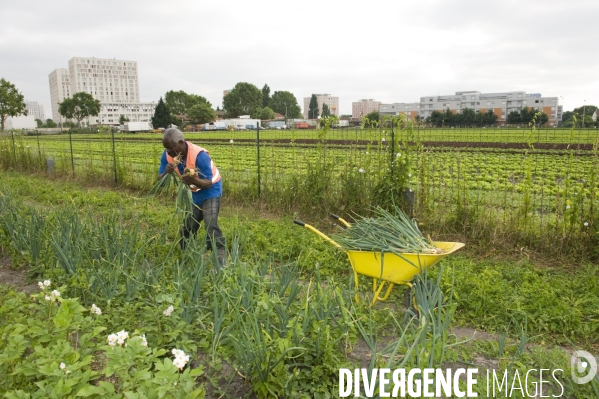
(222, 258)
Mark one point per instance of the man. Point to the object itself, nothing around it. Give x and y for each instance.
(206, 188)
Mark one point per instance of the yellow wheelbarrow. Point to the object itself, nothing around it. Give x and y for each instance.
(388, 267)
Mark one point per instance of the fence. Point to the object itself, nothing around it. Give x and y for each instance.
(535, 188)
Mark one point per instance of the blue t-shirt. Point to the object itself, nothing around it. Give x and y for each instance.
(203, 164)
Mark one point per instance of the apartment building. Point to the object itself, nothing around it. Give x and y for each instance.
(500, 103)
(364, 107)
(331, 101)
(35, 109)
(114, 82)
(410, 110)
(60, 88)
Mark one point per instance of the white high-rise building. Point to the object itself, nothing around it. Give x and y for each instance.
(331, 101)
(60, 89)
(108, 80)
(36, 110)
(114, 82)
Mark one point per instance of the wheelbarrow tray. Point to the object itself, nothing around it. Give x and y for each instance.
(396, 269)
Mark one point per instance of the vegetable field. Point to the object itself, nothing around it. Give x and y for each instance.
(117, 310)
(526, 187)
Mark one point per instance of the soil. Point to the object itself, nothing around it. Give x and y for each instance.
(15, 277)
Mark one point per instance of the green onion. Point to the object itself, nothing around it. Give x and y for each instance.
(385, 232)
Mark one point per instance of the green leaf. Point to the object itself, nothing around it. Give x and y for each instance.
(64, 316)
(89, 390)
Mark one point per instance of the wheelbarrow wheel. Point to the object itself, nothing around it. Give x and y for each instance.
(410, 300)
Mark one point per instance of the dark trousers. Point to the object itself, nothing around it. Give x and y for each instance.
(207, 212)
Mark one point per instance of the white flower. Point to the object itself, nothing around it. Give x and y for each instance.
(178, 352)
(179, 363)
(231, 141)
(96, 310)
(567, 206)
(168, 311)
(144, 341)
(586, 224)
(361, 170)
(41, 285)
(122, 336)
(409, 175)
(398, 155)
(112, 339)
(47, 298)
(56, 293)
(366, 152)
(47, 283)
(383, 140)
(181, 359)
(62, 366)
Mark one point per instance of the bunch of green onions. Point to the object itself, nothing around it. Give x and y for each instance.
(386, 232)
(163, 186)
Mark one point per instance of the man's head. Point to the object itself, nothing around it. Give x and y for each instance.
(174, 142)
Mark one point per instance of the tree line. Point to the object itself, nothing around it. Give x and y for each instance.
(179, 107)
(467, 117)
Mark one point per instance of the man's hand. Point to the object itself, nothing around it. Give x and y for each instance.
(190, 180)
(170, 168)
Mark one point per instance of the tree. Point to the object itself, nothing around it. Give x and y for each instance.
(243, 99)
(201, 113)
(585, 110)
(285, 103)
(466, 117)
(514, 117)
(541, 118)
(80, 106)
(39, 122)
(490, 118)
(123, 119)
(162, 115)
(313, 107)
(264, 114)
(528, 115)
(50, 123)
(68, 124)
(326, 111)
(179, 102)
(448, 117)
(265, 96)
(11, 102)
(435, 118)
(371, 119)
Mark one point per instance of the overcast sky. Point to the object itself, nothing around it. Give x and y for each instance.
(391, 51)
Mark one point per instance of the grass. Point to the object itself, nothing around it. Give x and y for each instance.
(556, 304)
(488, 291)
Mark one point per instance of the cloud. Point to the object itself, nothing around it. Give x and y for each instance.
(386, 50)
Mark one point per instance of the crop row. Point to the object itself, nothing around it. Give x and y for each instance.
(478, 135)
(477, 170)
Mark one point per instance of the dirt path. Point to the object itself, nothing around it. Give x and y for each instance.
(15, 277)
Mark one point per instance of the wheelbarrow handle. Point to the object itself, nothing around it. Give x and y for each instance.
(307, 226)
(339, 219)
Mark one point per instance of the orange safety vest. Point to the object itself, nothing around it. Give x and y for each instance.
(192, 154)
